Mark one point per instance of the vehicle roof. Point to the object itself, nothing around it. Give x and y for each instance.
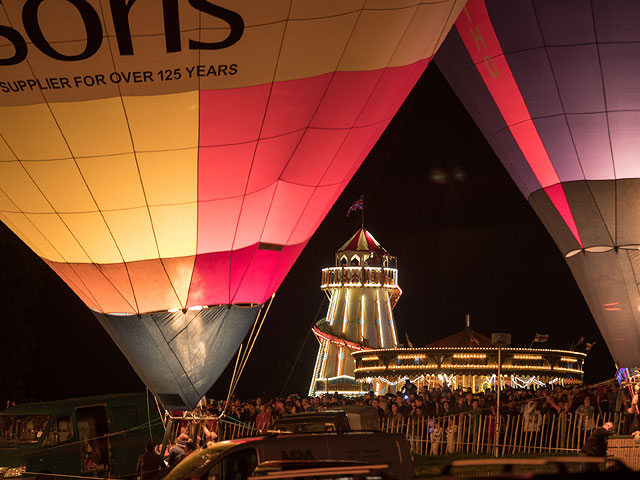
(344, 409)
(228, 444)
(320, 414)
(358, 408)
(55, 405)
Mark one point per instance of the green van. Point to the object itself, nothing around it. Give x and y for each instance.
(91, 436)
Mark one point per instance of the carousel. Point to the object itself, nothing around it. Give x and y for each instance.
(467, 360)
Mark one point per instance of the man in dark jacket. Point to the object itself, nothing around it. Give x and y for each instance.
(150, 464)
(596, 445)
(178, 450)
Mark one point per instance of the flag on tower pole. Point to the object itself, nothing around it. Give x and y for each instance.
(578, 343)
(539, 338)
(357, 205)
(409, 342)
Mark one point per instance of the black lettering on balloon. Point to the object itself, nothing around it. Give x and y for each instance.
(171, 25)
(234, 20)
(91, 24)
(18, 44)
(120, 14)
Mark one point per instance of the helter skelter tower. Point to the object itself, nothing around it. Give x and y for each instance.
(362, 290)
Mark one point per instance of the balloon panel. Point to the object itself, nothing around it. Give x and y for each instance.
(170, 155)
(559, 105)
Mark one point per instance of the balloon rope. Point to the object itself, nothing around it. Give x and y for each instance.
(250, 343)
(236, 373)
(253, 329)
(149, 416)
(235, 370)
(163, 416)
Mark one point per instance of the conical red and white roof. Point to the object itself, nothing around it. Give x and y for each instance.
(363, 241)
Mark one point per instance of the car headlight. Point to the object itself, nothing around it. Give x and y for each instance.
(14, 471)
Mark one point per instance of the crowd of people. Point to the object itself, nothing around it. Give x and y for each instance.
(601, 410)
(450, 413)
(409, 402)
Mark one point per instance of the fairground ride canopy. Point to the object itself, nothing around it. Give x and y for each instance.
(170, 160)
(468, 359)
(554, 88)
(468, 367)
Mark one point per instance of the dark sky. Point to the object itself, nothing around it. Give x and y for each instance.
(436, 196)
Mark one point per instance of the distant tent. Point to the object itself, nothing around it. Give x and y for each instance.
(464, 338)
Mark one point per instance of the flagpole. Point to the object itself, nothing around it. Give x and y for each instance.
(498, 384)
(362, 215)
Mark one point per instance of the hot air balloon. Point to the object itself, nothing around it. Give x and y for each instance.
(170, 160)
(554, 88)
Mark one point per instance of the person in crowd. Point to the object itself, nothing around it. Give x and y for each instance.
(263, 419)
(632, 422)
(531, 416)
(177, 452)
(491, 428)
(466, 405)
(376, 404)
(436, 438)
(403, 406)
(394, 416)
(408, 388)
(189, 448)
(452, 435)
(150, 464)
(210, 425)
(475, 420)
(445, 409)
(250, 413)
(596, 445)
(92, 460)
(586, 412)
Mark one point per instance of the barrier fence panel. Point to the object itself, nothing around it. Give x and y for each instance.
(475, 433)
(472, 433)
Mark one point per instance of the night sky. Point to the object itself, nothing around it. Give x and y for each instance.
(436, 196)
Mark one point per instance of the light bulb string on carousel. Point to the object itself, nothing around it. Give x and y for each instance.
(520, 382)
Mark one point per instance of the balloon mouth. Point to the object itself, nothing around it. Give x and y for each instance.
(602, 249)
(192, 308)
(195, 308)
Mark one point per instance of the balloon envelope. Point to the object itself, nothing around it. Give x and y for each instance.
(554, 88)
(162, 156)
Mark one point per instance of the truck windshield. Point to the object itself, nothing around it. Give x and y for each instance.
(22, 428)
